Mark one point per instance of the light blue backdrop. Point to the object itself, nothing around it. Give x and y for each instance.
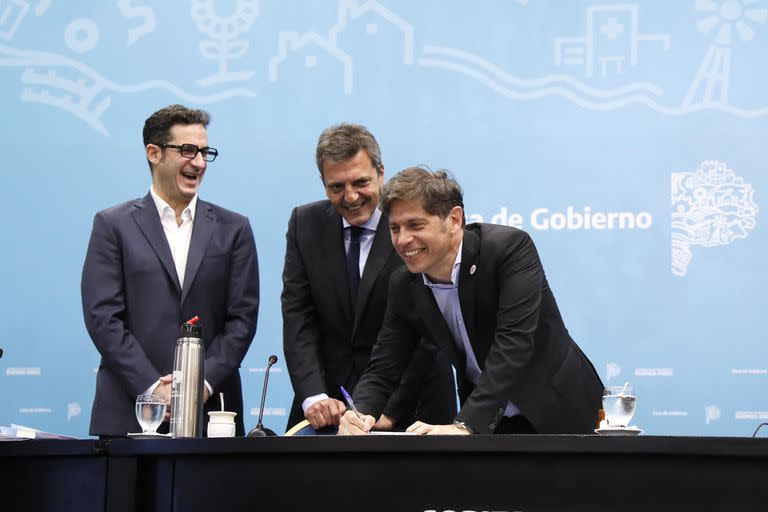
(628, 138)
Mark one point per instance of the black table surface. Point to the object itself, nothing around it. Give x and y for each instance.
(386, 473)
(565, 444)
(50, 447)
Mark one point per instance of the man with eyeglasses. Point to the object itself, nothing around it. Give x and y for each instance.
(155, 262)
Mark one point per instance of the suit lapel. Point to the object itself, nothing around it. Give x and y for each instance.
(431, 317)
(381, 251)
(333, 239)
(468, 285)
(148, 221)
(202, 230)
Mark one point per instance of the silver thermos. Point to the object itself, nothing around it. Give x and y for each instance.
(187, 387)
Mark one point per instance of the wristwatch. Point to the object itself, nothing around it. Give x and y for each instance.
(463, 426)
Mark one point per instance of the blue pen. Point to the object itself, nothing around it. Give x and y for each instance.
(350, 402)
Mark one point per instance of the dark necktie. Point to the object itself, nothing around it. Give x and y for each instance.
(353, 263)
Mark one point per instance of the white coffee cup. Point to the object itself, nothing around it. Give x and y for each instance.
(221, 424)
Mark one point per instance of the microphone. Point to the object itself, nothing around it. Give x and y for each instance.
(259, 430)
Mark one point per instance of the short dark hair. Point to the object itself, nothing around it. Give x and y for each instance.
(437, 191)
(343, 141)
(157, 127)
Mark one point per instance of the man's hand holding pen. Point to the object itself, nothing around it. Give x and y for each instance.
(355, 424)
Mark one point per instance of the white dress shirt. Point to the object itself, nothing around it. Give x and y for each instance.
(179, 238)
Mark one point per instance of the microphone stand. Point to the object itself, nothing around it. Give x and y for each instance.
(259, 430)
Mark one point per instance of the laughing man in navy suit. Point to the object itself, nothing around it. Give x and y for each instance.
(155, 262)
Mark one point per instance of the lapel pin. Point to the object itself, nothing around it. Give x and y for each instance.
(472, 270)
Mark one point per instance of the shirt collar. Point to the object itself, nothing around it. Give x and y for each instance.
(454, 272)
(371, 224)
(161, 205)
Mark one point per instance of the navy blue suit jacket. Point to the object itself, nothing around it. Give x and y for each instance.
(133, 304)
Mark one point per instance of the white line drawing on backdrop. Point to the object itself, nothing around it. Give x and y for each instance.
(223, 32)
(570, 88)
(710, 207)
(81, 35)
(84, 91)
(552, 85)
(291, 42)
(351, 13)
(12, 13)
(42, 6)
(130, 12)
(60, 82)
(710, 86)
(610, 29)
(71, 86)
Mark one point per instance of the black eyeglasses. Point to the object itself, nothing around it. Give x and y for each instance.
(191, 151)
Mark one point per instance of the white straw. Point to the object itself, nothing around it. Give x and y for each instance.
(221, 398)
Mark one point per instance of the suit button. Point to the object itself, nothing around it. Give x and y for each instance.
(501, 410)
(492, 426)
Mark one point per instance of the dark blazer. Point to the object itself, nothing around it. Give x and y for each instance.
(325, 345)
(514, 326)
(133, 305)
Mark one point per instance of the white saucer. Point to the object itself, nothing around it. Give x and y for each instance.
(618, 431)
(142, 435)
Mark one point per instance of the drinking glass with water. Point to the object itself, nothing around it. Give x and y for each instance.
(619, 405)
(150, 411)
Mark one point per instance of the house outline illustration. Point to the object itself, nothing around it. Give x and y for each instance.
(350, 11)
(291, 42)
(581, 50)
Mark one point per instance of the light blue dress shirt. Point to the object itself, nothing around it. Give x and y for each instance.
(447, 298)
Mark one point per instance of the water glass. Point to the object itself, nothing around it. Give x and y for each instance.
(150, 411)
(619, 405)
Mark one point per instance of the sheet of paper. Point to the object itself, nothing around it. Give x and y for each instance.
(33, 433)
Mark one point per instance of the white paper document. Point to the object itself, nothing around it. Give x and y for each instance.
(17, 432)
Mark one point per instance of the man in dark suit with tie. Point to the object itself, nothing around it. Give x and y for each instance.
(479, 294)
(337, 265)
(155, 262)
